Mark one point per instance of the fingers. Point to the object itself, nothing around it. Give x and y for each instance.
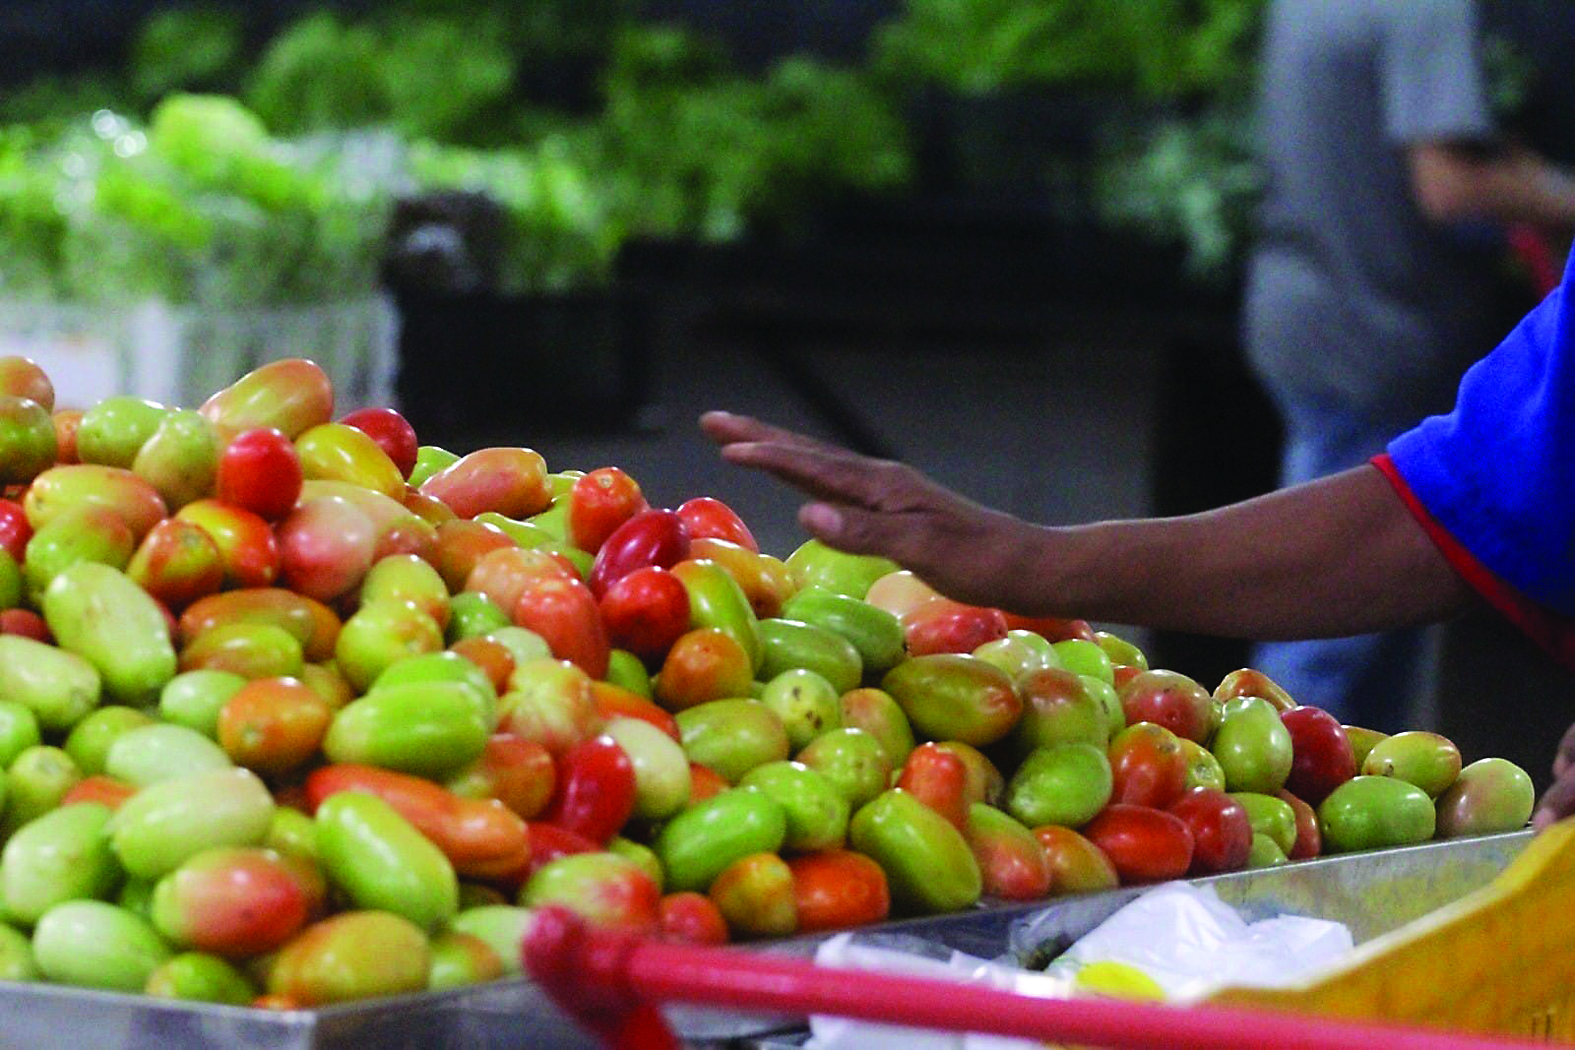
(856, 530)
(1556, 803)
(824, 472)
(1565, 758)
(725, 428)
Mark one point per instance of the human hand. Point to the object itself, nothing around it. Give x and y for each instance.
(968, 552)
(1559, 800)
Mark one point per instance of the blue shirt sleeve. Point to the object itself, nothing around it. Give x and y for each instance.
(1498, 472)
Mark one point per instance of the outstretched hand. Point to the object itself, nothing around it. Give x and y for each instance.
(868, 506)
(1559, 800)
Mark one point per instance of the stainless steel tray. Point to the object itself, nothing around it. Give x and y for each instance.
(1370, 892)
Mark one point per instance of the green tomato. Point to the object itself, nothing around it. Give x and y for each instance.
(97, 945)
(382, 862)
(928, 864)
(702, 840)
(1370, 812)
(1065, 785)
(817, 813)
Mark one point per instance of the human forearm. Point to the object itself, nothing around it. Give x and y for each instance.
(1453, 185)
(1337, 556)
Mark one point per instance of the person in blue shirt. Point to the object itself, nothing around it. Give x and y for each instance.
(1477, 505)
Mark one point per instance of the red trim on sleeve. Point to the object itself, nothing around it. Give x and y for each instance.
(1548, 629)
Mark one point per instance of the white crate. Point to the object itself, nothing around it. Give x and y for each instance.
(178, 355)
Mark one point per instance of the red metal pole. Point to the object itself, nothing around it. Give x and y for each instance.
(619, 971)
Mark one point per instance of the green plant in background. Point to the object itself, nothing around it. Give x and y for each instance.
(1158, 48)
(1187, 182)
(201, 206)
(186, 49)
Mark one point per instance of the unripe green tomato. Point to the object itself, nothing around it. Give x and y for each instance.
(442, 667)
(148, 754)
(18, 731)
(100, 614)
(929, 867)
(1121, 651)
(731, 737)
(96, 945)
(522, 643)
(817, 813)
(471, 614)
(1429, 761)
(165, 823)
(603, 888)
(251, 650)
(180, 459)
(853, 761)
(36, 781)
(807, 703)
(1016, 656)
(661, 769)
(114, 430)
(1369, 812)
(1269, 816)
(788, 645)
(90, 739)
(94, 534)
(194, 699)
(16, 956)
(1203, 769)
(430, 459)
(1253, 746)
(1265, 852)
(57, 686)
(1066, 785)
(625, 670)
(63, 855)
(382, 862)
(813, 564)
(1490, 795)
(705, 838)
(1084, 657)
(502, 927)
(461, 959)
(948, 696)
(875, 633)
(380, 634)
(200, 977)
(136, 896)
(716, 600)
(292, 833)
(10, 581)
(431, 729)
(352, 955)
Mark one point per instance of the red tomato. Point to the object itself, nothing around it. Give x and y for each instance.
(704, 782)
(1147, 766)
(1053, 628)
(14, 529)
(1144, 844)
(273, 725)
(838, 888)
(99, 788)
(1309, 840)
(25, 622)
(492, 657)
(952, 627)
(599, 502)
(690, 918)
(645, 612)
(1076, 864)
(616, 702)
(392, 433)
(939, 779)
(67, 422)
(595, 789)
(461, 544)
(518, 773)
(501, 576)
(1322, 756)
(247, 544)
(1221, 830)
(651, 537)
(709, 518)
(548, 842)
(704, 664)
(259, 471)
(565, 614)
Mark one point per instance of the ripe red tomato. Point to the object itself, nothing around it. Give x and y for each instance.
(599, 502)
(26, 623)
(938, 779)
(690, 918)
(952, 627)
(595, 792)
(651, 537)
(548, 842)
(1053, 628)
(709, 518)
(1309, 840)
(1144, 844)
(1148, 766)
(564, 613)
(1322, 758)
(392, 433)
(14, 529)
(1172, 700)
(838, 888)
(1221, 830)
(259, 471)
(646, 612)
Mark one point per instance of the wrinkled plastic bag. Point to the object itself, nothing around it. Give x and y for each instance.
(1181, 936)
(1190, 942)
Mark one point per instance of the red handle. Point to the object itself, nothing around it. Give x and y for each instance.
(601, 974)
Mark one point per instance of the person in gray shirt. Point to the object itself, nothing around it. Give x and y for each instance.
(1365, 297)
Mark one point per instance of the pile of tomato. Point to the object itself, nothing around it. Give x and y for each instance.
(294, 710)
